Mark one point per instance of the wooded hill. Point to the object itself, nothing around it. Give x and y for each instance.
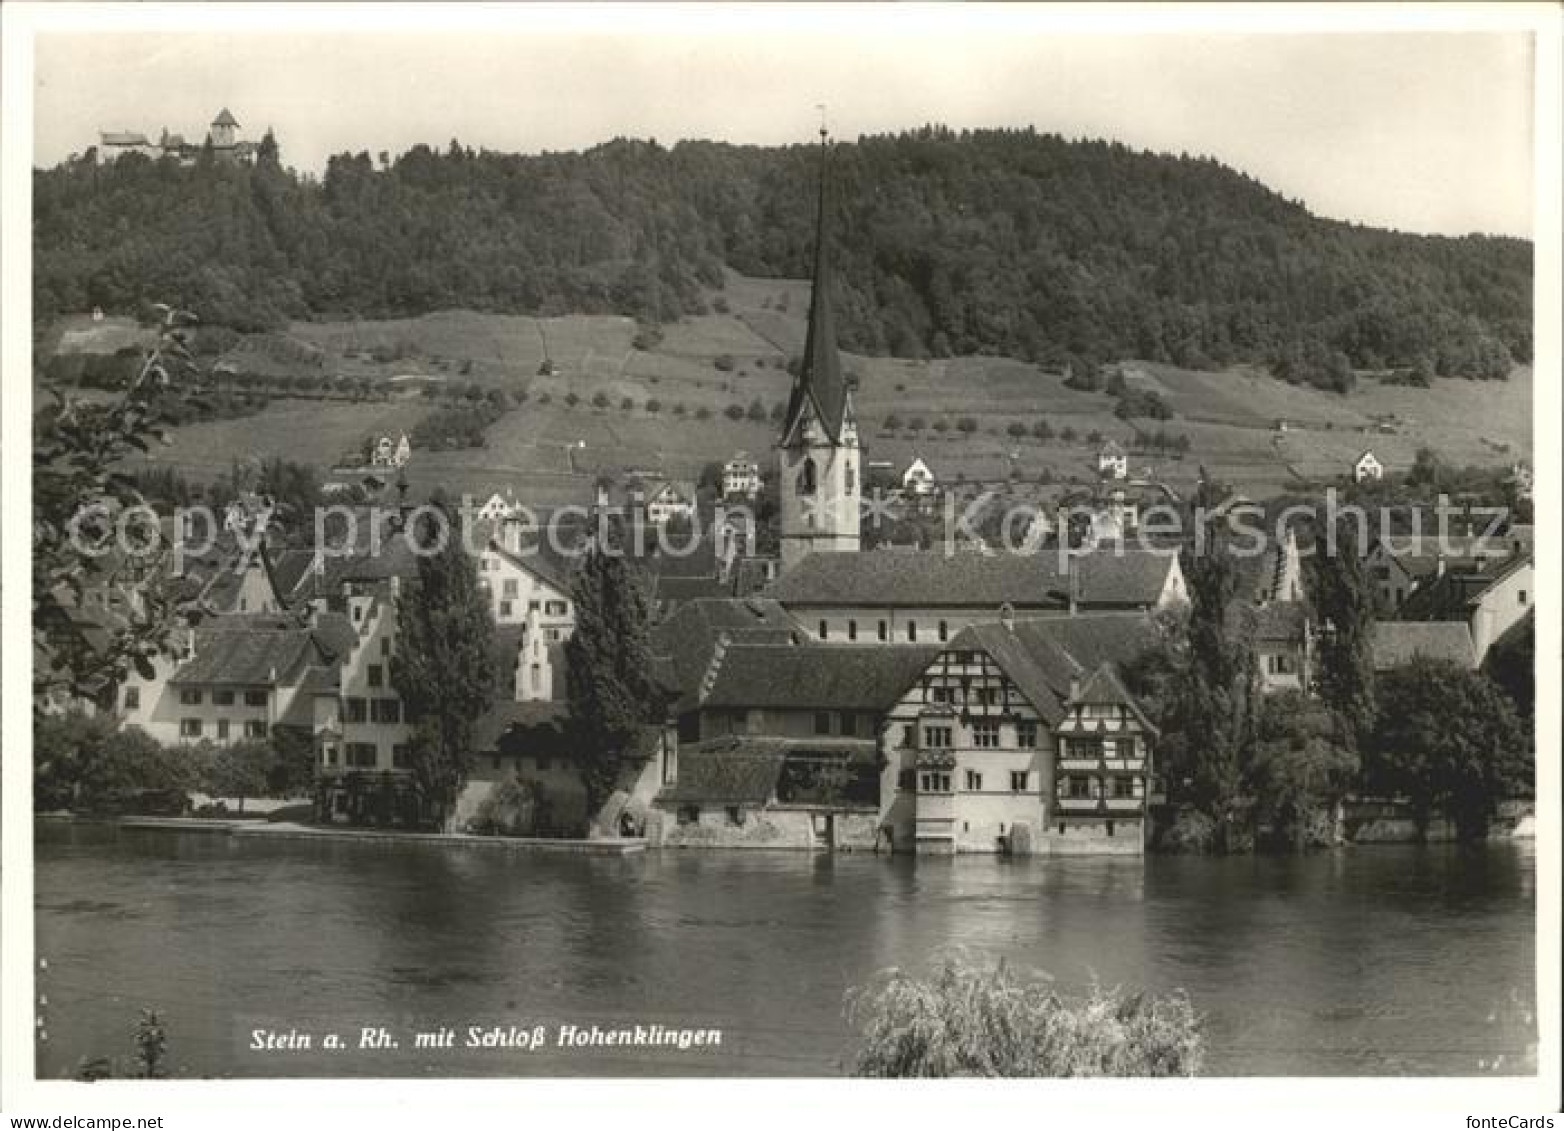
(1003, 242)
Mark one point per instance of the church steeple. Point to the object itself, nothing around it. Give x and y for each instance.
(820, 385)
(818, 450)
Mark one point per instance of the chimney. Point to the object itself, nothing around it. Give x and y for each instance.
(1075, 689)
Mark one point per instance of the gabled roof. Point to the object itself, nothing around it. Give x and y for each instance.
(1281, 621)
(1129, 579)
(821, 386)
(689, 636)
(855, 677)
(122, 137)
(1397, 642)
(224, 118)
(1042, 656)
(727, 773)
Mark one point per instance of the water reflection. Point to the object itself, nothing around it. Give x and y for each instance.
(1341, 963)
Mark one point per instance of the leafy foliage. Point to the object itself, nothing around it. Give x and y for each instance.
(1450, 741)
(1304, 761)
(612, 692)
(1002, 241)
(87, 762)
(1345, 603)
(79, 501)
(969, 1020)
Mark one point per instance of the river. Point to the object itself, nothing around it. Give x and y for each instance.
(1375, 960)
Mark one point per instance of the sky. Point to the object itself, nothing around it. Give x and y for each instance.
(1420, 131)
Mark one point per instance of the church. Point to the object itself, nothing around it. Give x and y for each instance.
(818, 457)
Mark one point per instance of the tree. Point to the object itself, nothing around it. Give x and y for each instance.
(239, 770)
(1218, 700)
(612, 693)
(445, 659)
(1511, 663)
(1449, 741)
(969, 1020)
(1304, 762)
(79, 497)
(86, 761)
(1345, 604)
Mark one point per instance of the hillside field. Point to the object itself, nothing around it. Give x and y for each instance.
(550, 452)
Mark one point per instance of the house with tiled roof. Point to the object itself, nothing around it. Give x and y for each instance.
(1020, 736)
(231, 678)
(1488, 598)
(1397, 566)
(1113, 461)
(896, 597)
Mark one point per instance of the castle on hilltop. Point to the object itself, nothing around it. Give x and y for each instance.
(222, 136)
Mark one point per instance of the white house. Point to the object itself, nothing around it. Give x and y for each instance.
(1112, 460)
(669, 500)
(1367, 466)
(918, 480)
(741, 476)
(391, 453)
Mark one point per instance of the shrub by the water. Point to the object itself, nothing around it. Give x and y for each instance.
(972, 1020)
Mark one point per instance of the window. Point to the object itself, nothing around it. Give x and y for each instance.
(1018, 780)
(385, 710)
(557, 608)
(505, 608)
(1077, 787)
(508, 587)
(255, 697)
(824, 630)
(545, 763)
(885, 630)
(132, 698)
(537, 677)
(496, 760)
(1123, 786)
(822, 722)
(255, 728)
(328, 754)
(1522, 597)
(939, 694)
(944, 631)
(934, 781)
(852, 630)
(222, 730)
(848, 724)
(1124, 748)
(912, 630)
(551, 635)
(1026, 734)
(376, 675)
(532, 606)
(190, 696)
(689, 814)
(402, 756)
(974, 781)
(1281, 665)
(985, 736)
(807, 477)
(1082, 748)
(223, 698)
(850, 478)
(906, 779)
(1109, 828)
(358, 710)
(189, 728)
(735, 815)
(909, 735)
(385, 645)
(362, 755)
(936, 738)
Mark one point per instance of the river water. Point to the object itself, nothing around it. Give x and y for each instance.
(1367, 961)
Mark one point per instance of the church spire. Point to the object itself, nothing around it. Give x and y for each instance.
(819, 387)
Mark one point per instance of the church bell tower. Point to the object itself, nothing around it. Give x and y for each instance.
(818, 459)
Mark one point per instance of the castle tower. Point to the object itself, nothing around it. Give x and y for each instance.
(818, 459)
(223, 127)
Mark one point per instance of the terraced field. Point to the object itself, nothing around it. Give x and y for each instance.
(551, 452)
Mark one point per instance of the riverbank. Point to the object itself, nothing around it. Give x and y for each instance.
(286, 830)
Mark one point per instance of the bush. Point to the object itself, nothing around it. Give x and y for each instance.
(725, 363)
(703, 413)
(514, 807)
(734, 412)
(892, 423)
(757, 411)
(571, 400)
(678, 409)
(599, 399)
(627, 405)
(967, 425)
(968, 1020)
(654, 405)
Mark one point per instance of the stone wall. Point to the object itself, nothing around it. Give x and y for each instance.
(770, 827)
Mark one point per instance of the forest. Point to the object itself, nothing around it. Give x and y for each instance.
(1005, 242)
